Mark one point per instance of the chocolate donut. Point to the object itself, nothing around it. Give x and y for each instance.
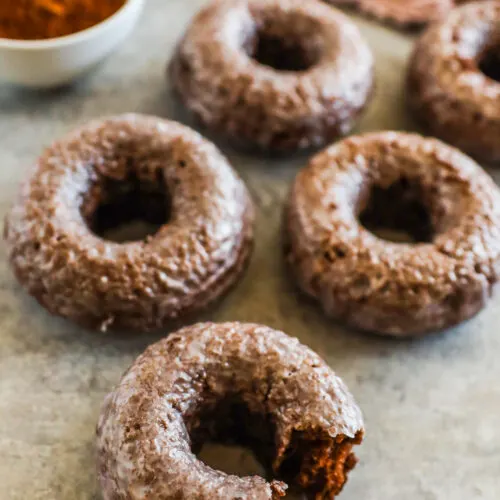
(447, 203)
(454, 80)
(229, 383)
(112, 171)
(278, 75)
(406, 14)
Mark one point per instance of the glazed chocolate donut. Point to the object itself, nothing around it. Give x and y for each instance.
(228, 383)
(274, 74)
(449, 205)
(113, 171)
(453, 81)
(402, 13)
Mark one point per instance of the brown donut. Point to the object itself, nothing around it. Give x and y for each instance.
(229, 382)
(404, 181)
(406, 14)
(274, 74)
(114, 170)
(453, 81)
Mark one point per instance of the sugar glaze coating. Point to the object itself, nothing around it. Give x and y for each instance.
(140, 285)
(406, 14)
(387, 287)
(224, 382)
(223, 71)
(447, 91)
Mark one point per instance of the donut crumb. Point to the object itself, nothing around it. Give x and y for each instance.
(278, 489)
(318, 463)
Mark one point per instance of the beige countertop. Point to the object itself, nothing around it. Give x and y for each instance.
(432, 406)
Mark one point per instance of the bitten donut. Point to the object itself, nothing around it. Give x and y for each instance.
(454, 80)
(399, 181)
(113, 171)
(233, 383)
(278, 75)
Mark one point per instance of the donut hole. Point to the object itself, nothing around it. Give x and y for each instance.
(231, 438)
(397, 213)
(291, 44)
(231, 427)
(489, 62)
(281, 54)
(231, 459)
(128, 209)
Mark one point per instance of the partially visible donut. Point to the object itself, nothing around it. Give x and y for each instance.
(400, 181)
(226, 382)
(454, 80)
(105, 173)
(406, 14)
(274, 74)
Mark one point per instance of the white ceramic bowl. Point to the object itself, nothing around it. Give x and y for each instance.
(57, 61)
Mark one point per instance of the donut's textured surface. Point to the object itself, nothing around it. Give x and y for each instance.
(448, 92)
(217, 73)
(387, 287)
(402, 13)
(139, 285)
(226, 382)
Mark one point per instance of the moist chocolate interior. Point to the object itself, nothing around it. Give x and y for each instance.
(397, 213)
(127, 209)
(489, 62)
(313, 462)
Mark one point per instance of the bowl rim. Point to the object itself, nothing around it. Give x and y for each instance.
(79, 36)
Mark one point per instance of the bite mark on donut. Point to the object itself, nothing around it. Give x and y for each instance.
(229, 383)
(318, 463)
(310, 459)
